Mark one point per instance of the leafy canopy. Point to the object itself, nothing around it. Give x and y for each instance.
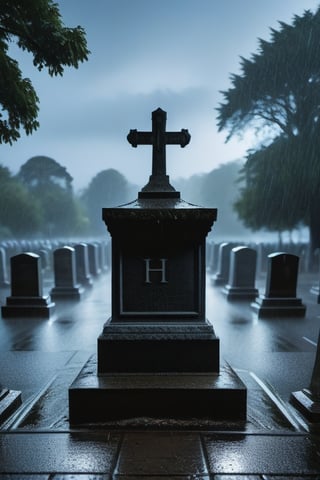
(279, 86)
(42, 172)
(279, 90)
(37, 27)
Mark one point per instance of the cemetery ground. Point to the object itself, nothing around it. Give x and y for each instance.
(273, 357)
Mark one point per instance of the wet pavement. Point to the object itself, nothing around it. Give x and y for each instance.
(273, 357)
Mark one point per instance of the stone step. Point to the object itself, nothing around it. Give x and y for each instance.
(100, 398)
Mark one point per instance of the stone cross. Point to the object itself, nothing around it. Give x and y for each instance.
(159, 138)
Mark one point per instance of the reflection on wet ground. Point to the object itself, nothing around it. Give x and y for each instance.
(272, 358)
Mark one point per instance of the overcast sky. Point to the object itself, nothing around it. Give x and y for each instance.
(145, 54)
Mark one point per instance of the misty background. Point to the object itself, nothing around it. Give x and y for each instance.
(176, 55)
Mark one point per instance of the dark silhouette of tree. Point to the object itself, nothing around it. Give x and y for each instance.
(108, 188)
(278, 94)
(51, 184)
(20, 212)
(268, 204)
(41, 172)
(37, 27)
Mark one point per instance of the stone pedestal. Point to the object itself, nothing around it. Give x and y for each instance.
(158, 288)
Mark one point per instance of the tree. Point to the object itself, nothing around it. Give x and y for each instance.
(218, 188)
(20, 212)
(108, 188)
(37, 27)
(268, 204)
(51, 184)
(278, 94)
(41, 172)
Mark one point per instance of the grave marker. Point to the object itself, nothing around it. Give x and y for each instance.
(241, 285)
(158, 355)
(281, 286)
(66, 287)
(222, 275)
(27, 299)
(93, 259)
(82, 265)
(4, 280)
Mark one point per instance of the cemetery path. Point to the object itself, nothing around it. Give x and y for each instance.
(273, 357)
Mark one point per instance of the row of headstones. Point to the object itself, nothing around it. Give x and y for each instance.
(279, 300)
(98, 256)
(71, 276)
(308, 261)
(236, 273)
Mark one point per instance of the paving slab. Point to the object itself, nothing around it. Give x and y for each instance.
(163, 453)
(78, 452)
(261, 454)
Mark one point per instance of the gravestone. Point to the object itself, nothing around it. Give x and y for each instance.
(82, 265)
(158, 356)
(27, 299)
(93, 259)
(281, 285)
(241, 285)
(222, 275)
(307, 400)
(4, 280)
(66, 287)
(44, 254)
(315, 290)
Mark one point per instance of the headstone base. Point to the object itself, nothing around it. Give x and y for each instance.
(309, 406)
(279, 307)
(112, 397)
(28, 307)
(70, 293)
(10, 400)
(154, 347)
(240, 293)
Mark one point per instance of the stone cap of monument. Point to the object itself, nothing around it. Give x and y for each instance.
(158, 219)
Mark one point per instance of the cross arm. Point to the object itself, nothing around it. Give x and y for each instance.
(181, 138)
(136, 138)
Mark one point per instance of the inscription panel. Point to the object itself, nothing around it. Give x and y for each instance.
(160, 285)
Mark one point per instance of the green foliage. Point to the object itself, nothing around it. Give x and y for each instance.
(265, 202)
(51, 184)
(20, 212)
(37, 27)
(40, 172)
(279, 86)
(108, 188)
(278, 93)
